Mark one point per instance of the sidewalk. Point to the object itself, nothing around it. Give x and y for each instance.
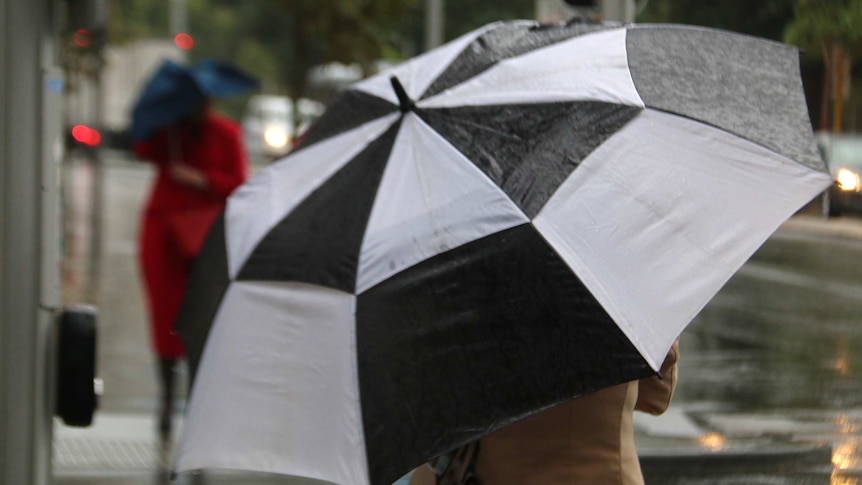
(123, 449)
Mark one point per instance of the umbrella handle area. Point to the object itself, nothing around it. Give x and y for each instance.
(405, 104)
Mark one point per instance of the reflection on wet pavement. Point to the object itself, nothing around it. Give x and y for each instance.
(713, 441)
(773, 357)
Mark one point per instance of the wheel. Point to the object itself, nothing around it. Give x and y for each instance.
(76, 399)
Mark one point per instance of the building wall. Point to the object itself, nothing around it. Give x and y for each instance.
(27, 164)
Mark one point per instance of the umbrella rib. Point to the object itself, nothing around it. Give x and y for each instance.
(771, 146)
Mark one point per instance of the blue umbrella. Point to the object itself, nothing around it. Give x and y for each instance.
(170, 95)
(219, 79)
(174, 91)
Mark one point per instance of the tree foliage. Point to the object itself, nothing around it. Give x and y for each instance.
(460, 20)
(762, 18)
(277, 40)
(831, 29)
(826, 22)
(280, 40)
(137, 19)
(341, 30)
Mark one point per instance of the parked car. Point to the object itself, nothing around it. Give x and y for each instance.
(843, 155)
(307, 111)
(267, 126)
(272, 123)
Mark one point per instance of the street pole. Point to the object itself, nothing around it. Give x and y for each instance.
(179, 17)
(99, 20)
(29, 247)
(434, 23)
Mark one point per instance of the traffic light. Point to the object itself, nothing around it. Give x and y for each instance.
(85, 24)
(86, 135)
(83, 38)
(184, 41)
(87, 15)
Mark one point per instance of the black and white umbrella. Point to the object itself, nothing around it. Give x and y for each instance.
(517, 218)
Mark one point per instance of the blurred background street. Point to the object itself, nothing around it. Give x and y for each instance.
(770, 388)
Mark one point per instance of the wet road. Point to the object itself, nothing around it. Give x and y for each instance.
(772, 362)
(790, 322)
(775, 355)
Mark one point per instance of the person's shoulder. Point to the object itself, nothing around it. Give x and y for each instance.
(223, 124)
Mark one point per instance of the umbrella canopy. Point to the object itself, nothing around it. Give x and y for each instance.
(169, 95)
(220, 79)
(517, 218)
(174, 91)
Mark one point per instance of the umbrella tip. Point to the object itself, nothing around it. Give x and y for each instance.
(405, 104)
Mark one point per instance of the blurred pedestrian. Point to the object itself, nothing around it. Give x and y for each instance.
(585, 441)
(200, 160)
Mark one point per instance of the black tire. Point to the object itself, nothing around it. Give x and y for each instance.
(76, 399)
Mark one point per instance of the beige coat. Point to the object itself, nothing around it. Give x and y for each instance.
(589, 440)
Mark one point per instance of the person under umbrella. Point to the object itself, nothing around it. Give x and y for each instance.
(587, 440)
(200, 160)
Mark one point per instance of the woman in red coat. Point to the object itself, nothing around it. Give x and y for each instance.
(200, 161)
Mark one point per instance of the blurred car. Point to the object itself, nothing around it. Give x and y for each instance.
(843, 156)
(271, 124)
(267, 126)
(307, 111)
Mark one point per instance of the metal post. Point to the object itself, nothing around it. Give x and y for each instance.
(434, 23)
(95, 154)
(179, 17)
(28, 282)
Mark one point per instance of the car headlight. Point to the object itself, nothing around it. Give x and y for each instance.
(847, 180)
(275, 137)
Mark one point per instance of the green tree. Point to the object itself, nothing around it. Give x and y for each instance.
(136, 19)
(253, 35)
(276, 40)
(461, 19)
(761, 18)
(832, 28)
(349, 31)
(280, 41)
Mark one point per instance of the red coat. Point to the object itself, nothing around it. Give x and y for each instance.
(216, 150)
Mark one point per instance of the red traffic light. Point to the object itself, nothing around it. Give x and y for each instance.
(83, 38)
(86, 135)
(184, 41)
